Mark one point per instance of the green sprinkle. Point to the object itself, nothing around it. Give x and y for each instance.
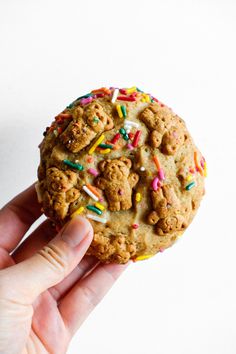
(93, 208)
(152, 100)
(122, 131)
(190, 186)
(84, 96)
(95, 119)
(123, 109)
(126, 137)
(139, 90)
(106, 146)
(71, 105)
(77, 166)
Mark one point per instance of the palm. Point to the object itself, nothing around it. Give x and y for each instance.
(49, 323)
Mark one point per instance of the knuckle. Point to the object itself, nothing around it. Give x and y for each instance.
(54, 257)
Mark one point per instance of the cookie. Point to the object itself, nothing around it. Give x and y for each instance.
(127, 162)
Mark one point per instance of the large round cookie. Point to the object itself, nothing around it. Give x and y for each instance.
(124, 160)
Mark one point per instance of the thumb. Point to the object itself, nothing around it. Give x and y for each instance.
(51, 264)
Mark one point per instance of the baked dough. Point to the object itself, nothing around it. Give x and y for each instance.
(127, 162)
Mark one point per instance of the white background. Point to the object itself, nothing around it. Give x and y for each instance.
(183, 52)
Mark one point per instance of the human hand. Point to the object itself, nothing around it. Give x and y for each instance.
(47, 286)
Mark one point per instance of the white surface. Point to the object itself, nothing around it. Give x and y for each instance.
(183, 52)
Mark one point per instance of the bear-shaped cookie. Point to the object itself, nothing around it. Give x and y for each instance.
(117, 181)
(87, 123)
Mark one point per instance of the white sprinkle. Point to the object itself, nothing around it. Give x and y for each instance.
(96, 218)
(142, 168)
(133, 124)
(114, 96)
(128, 129)
(90, 193)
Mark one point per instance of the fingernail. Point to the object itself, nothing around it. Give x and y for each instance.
(76, 231)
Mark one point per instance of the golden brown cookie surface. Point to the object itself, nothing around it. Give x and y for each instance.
(127, 162)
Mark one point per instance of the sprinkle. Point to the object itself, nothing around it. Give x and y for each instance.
(120, 192)
(123, 91)
(138, 197)
(96, 218)
(86, 189)
(130, 146)
(93, 147)
(102, 90)
(93, 208)
(105, 146)
(131, 135)
(161, 249)
(199, 169)
(93, 190)
(84, 96)
(122, 131)
(124, 112)
(89, 159)
(142, 168)
(85, 101)
(128, 129)
(131, 90)
(106, 151)
(189, 178)
(135, 226)
(190, 186)
(77, 212)
(205, 169)
(146, 98)
(114, 96)
(136, 138)
(116, 138)
(142, 258)
(95, 119)
(119, 111)
(77, 166)
(155, 183)
(99, 95)
(157, 163)
(133, 124)
(100, 206)
(126, 137)
(161, 174)
(93, 172)
(126, 98)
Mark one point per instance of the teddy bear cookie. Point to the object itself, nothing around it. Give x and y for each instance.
(127, 162)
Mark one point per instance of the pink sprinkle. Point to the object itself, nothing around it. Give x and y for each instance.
(101, 199)
(135, 226)
(161, 174)
(130, 146)
(93, 172)
(155, 183)
(87, 100)
(120, 192)
(161, 249)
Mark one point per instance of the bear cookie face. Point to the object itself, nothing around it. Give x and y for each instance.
(127, 162)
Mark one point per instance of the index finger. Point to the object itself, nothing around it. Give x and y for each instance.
(17, 216)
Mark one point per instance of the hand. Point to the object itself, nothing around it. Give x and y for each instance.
(47, 286)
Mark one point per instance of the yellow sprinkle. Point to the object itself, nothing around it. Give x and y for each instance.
(142, 258)
(189, 178)
(138, 197)
(143, 100)
(131, 90)
(119, 111)
(146, 98)
(205, 169)
(77, 212)
(99, 206)
(93, 147)
(104, 151)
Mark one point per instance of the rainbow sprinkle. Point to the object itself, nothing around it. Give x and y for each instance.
(100, 206)
(96, 218)
(90, 193)
(115, 94)
(155, 183)
(142, 258)
(190, 186)
(136, 138)
(77, 166)
(138, 197)
(93, 208)
(77, 212)
(95, 145)
(93, 172)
